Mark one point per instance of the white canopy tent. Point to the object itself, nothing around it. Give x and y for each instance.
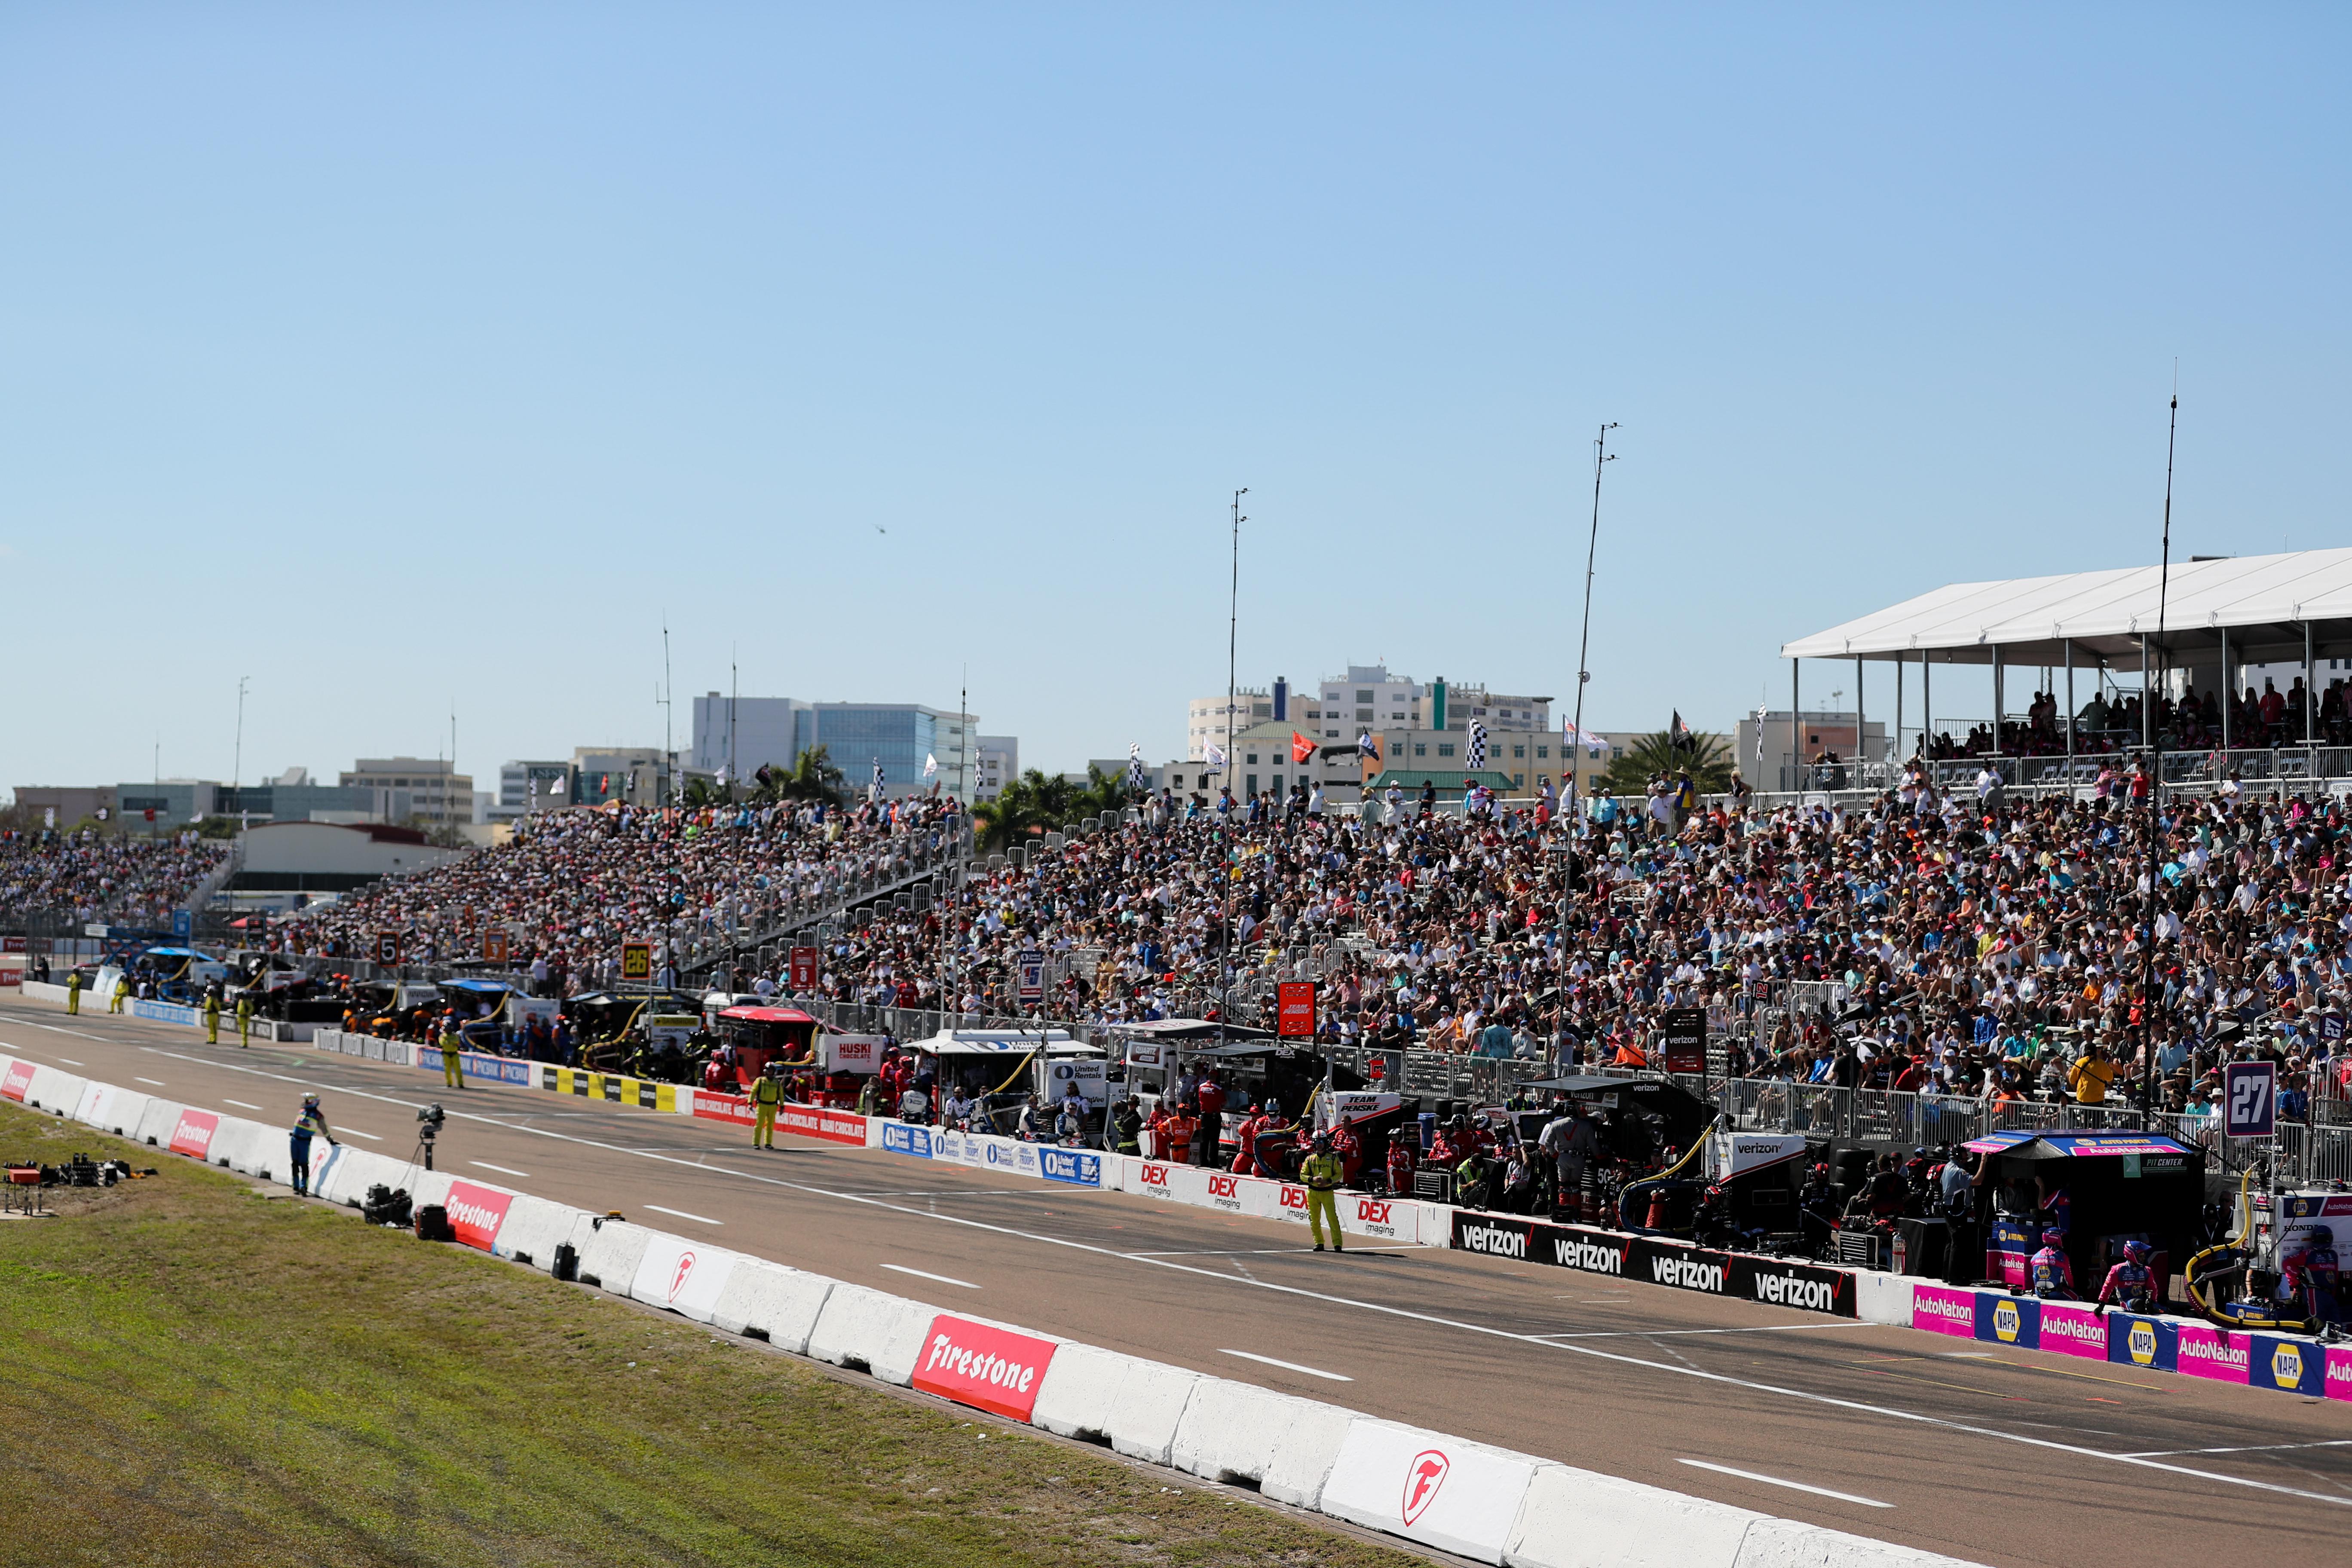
(2217, 614)
(1002, 1043)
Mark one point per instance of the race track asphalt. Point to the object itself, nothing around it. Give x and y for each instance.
(1996, 1456)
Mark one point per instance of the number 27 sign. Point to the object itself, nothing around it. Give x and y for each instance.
(2250, 1100)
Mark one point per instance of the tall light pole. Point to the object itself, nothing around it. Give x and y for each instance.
(1601, 454)
(236, 766)
(2155, 793)
(1224, 818)
(1570, 809)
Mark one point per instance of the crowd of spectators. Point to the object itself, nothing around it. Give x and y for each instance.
(2191, 722)
(88, 876)
(1947, 944)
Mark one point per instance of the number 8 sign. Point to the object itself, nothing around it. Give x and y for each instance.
(2250, 1100)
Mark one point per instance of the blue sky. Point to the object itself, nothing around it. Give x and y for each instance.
(405, 356)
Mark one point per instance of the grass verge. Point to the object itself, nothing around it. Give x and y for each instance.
(191, 1371)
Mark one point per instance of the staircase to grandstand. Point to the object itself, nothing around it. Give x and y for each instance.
(904, 872)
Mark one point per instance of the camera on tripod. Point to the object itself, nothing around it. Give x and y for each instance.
(429, 1118)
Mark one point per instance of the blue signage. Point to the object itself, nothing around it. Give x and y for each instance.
(1074, 1166)
(183, 922)
(898, 1138)
(2009, 1319)
(2136, 1341)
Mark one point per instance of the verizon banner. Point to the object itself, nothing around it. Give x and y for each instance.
(194, 1135)
(475, 1213)
(983, 1366)
(1658, 1260)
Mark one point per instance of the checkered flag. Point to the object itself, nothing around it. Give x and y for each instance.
(877, 778)
(1478, 745)
(1135, 767)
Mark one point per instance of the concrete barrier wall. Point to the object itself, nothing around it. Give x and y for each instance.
(1479, 1502)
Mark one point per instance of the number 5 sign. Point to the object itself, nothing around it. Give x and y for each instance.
(2250, 1100)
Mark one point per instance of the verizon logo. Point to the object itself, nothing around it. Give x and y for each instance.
(981, 1366)
(1493, 1242)
(1591, 1256)
(1788, 1291)
(1687, 1273)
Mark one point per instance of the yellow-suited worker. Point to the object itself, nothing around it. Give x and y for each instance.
(121, 995)
(1323, 1174)
(245, 1021)
(73, 991)
(212, 1019)
(767, 1093)
(453, 1071)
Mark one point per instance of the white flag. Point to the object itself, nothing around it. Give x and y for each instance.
(931, 766)
(1217, 755)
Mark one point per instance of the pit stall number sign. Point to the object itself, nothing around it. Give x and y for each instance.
(2250, 1100)
(637, 961)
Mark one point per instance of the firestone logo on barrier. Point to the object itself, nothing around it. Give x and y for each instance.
(983, 1366)
(475, 1214)
(1422, 1479)
(679, 1275)
(18, 1083)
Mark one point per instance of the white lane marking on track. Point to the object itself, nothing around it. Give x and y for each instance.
(1289, 1365)
(1381, 1309)
(240, 1104)
(2256, 1448)
(1665, 1333)
(1274, 1252)
(919, 1273)
(501, 1170)
(156, 1081)
(370, 1137)
(1778, 1482)
(681, 1213)
(69, 1061)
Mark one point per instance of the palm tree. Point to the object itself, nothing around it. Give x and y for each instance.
(1035, 804)
(1706, 757)
(812, 777)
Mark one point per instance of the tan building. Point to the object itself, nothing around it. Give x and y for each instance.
(438, 796)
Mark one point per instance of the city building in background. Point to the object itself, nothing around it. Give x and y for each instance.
(742, 734)
(64, 806)
(286, 864)
(1206, 719)
(437, 794)
(998, 764)
(633, 775)
(1778, 765)
(518, 798)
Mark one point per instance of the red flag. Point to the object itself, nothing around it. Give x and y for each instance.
(1301, 747)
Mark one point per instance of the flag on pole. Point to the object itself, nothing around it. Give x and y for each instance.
(1216, 757)
(1679, 736)
(931, 767)
(1760, 711)
(1368, 747)
(1478, 745)
(1134, 767)
(1301, 747)
(875, 791)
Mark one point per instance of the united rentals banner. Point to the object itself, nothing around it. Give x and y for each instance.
(1658, 1260)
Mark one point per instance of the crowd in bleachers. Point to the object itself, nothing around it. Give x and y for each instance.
(1985, 949)
(89, 877)
(2194, 721)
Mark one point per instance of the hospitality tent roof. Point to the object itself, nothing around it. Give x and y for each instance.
(2262, 602)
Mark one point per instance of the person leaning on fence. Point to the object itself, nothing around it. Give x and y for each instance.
(1322, 1173)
